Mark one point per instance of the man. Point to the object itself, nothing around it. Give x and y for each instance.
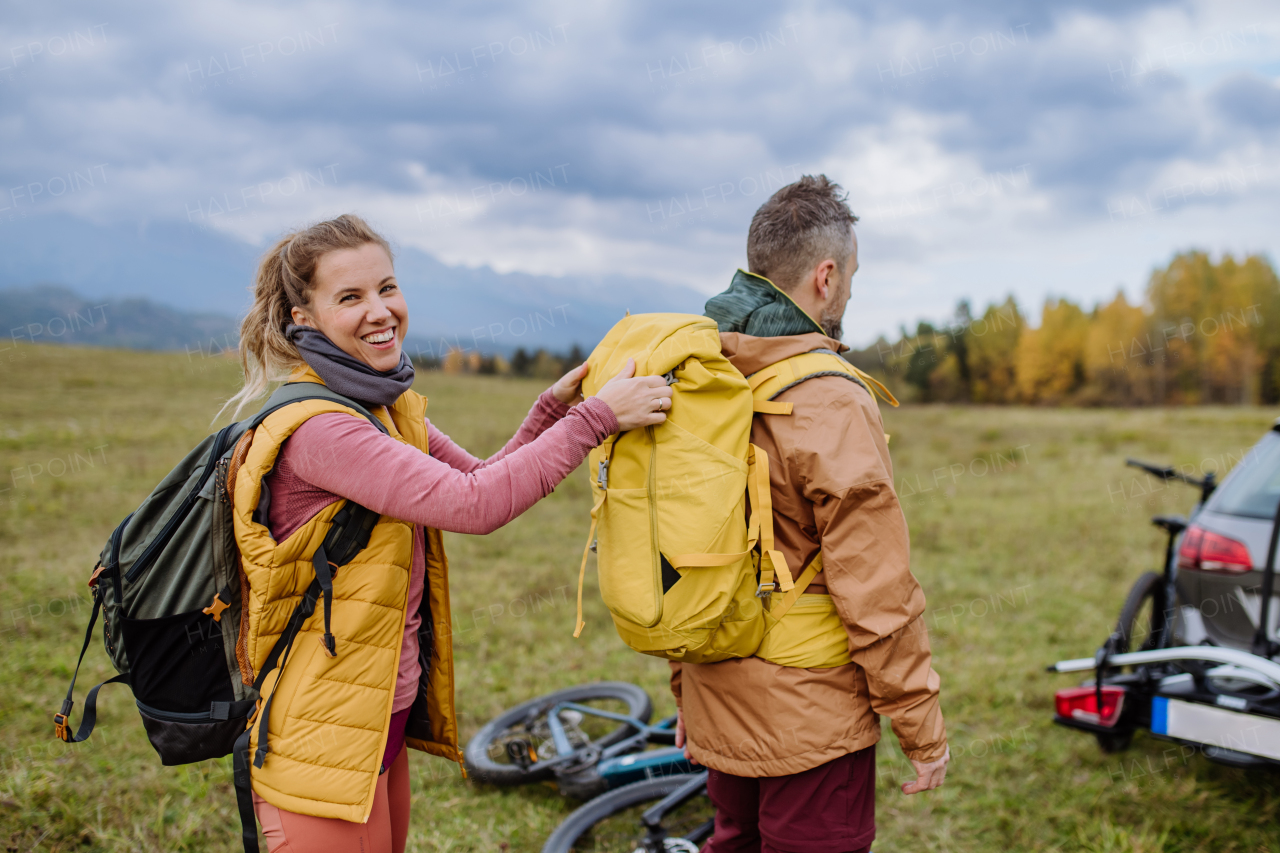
(791, 752)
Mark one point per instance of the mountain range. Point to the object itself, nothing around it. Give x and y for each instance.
(169, 285)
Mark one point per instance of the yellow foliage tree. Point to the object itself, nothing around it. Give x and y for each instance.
(1122, 363)
(1209, 316)
(1050, 360)
(1207, 333)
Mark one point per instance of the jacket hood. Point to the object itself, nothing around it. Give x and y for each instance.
(749, 353)
(754, 305)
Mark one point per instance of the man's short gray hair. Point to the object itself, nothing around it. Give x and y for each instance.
(800, 226)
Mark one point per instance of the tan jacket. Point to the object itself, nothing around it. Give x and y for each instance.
(832, 486)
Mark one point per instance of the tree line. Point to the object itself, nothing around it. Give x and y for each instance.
(1204, 333)
(539, 364)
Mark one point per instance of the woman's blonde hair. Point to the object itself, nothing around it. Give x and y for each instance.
(286, 280)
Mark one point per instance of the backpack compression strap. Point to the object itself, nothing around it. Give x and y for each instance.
(61, 720)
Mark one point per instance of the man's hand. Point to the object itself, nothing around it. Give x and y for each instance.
(680, 736)
(928, 776)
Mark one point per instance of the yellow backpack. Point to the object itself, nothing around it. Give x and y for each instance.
(686, 572)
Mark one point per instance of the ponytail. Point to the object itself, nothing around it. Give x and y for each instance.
(286, 280)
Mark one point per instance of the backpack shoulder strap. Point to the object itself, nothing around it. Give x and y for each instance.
(297, 392)
(767, 383)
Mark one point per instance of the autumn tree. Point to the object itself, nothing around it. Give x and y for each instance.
(990, 343)
(1050, 359)
(1121, 360)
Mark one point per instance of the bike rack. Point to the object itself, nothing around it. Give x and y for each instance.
(1214, 654)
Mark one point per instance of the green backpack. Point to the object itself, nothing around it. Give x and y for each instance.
(168, 586)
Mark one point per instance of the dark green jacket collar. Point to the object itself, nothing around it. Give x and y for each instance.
(755, 306)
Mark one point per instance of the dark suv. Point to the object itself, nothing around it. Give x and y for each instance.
(1222, 553)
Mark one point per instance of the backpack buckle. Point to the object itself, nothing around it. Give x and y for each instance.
(602, 477)
(765, 590)
(60, 728)
(215, 609)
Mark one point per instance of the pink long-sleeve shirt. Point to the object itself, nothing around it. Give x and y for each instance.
(336, 456)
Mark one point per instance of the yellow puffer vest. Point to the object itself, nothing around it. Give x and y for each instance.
(329, 717)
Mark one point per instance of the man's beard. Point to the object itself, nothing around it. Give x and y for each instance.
(832, 324)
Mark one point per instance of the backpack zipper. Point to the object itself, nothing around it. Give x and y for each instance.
(233, 711)
(653, 520)
(175, 716)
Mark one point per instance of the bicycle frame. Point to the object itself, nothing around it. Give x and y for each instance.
(613, 763)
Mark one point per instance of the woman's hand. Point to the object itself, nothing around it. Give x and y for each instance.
(636, 400)
(568, 388)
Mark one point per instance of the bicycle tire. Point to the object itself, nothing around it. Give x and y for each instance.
(476, 754)
(1149, 586)
(588, 815)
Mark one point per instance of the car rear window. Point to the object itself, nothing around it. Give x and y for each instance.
(1253, 488)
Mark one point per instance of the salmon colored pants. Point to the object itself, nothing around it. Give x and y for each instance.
(385, 832)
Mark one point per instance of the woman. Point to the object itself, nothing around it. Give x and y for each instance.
(334, 773)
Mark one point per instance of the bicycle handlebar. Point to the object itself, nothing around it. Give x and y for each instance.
(1206, 485)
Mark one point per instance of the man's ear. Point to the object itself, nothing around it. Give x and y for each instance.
(822, 279)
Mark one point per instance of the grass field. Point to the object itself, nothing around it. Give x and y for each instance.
(1026, 533)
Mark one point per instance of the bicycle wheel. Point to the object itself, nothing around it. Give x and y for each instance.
(509, 749)
(611, 822)
(1140, 616)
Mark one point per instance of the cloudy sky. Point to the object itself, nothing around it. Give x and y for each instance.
(988, 147)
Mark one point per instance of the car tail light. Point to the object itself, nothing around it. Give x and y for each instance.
(1081, 703)
(1212, 552)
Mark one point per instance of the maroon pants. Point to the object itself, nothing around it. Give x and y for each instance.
(830, 808)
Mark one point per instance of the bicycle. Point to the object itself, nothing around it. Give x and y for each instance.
(1145, 622)
(675, 816)
(593, 740)
(589, 739)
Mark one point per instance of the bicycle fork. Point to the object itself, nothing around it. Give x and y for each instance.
(655, 835)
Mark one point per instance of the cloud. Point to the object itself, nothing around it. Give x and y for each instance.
(637, 139)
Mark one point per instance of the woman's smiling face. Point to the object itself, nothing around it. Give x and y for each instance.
(357, 304)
